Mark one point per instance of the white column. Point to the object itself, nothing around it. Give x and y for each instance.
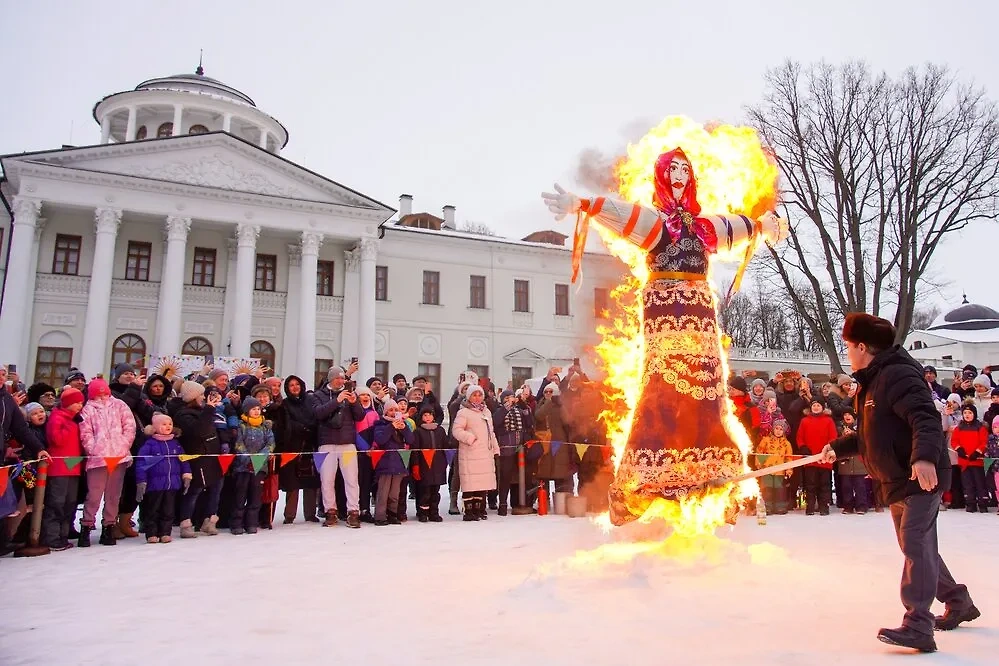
(311, 241)
(106, 128)
(230, 294)
(16, 294)
(351, 302)
(130, 128)
(94, 353)
(263, 138)
(178, 117)
(30, 278)
(242, 308)
(366, 320)
(289, 347)
(227, 122)
(169, 314)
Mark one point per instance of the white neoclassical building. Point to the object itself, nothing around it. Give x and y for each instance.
(183, 230)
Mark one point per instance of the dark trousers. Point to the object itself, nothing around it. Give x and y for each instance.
(402, 506)
(853, 489)
(157, 512)
(309, 496)
(365, 483)
(60, 508)
(976, 493)
(127, 503)
(925, 575)
(818, 489)
(956, 488)
(249, 487)
(388, 495)
(506, 476)
(210, 496)
(428, 499)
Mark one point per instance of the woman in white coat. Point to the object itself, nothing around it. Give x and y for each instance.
(477, 446)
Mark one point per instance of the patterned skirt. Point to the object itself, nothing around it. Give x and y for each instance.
(677, 439)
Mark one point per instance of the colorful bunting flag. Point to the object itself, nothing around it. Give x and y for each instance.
(376, 455)
(4, 476)
(608, 452)
(258, 460)
(988, 463)
(112, 463)
(581, 450)
(18, 470)
(185, 457)
(546, 447)
(405, 454)
(428, 455)
(555, 447)
(449, 454)
(287, 458)
(225, 460)
(318, 459)
(348, 457)
(533, 442)
(72, 462)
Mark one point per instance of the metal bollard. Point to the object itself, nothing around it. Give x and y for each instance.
(522, 509)
(33, 549)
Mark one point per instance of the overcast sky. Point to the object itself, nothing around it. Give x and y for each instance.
(476, 104)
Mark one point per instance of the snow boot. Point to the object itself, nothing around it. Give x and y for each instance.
(481, 504)
(124, 526)
(501, 511)
(187, 530)
(251, 530)
(951, 619)
(107, 536)
(393, 519)
(908, 637)
(366, 517)
(237, 531)
(209, 527)
(452, 508)
(471, 510)
(354, 519)
(84, 540)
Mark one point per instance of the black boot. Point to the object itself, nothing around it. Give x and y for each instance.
(483, 514)
(907, 637)
(107, 536)
(471, 510)
(951, 619)
(84, 540)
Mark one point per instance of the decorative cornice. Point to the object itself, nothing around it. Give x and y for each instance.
(247, 234)
(353, 259)
(311, 242)
(177, 227)
(26, 210)
(294, 254)
(107, 220)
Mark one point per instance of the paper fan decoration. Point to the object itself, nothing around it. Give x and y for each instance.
(237, 366)
(174, 365)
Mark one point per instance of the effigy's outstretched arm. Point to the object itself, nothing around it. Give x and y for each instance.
(642, 226)
(737, 231)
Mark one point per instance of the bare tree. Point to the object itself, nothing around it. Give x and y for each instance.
(923, 318)
(740, 319)
(480, 228)
(876, 172)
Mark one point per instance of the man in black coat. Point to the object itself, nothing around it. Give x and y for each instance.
(901, 439)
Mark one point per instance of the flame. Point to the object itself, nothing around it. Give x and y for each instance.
(735, 174)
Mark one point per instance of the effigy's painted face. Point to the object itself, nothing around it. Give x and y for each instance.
(679, 176)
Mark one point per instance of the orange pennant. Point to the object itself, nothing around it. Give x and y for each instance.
(376, 455)
(428, 455)
(287, 458)
(225, 460)
(4, 477)
(546, 447)
(112, 463)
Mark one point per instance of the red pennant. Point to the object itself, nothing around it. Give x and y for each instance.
(376, 455)
(608, 452)
(428, 455)
(225, 460)
(112, 463)
(287, 458)
(4, 476)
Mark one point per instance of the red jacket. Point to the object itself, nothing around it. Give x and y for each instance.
(969, 440)
(63, 434)
(814, 432)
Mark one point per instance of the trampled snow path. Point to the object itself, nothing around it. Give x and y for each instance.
(801, 590)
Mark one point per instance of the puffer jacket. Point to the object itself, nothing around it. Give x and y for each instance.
(390, 439)
(199, 437)
(62, 436)
(814, 432)
(473, 430)
(108, 430)
(970, 440)
(336, 420)
(434, 474)
(252, 440)
(158, 465)
(556, 459)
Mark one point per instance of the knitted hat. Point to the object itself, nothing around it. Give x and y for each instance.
(506, 394)
(260, 388)
(780, 423)
(970, 407)
(954, 398)
(190, 391)
(70, 396)
(73, 375)
(472, 390)
(982, 380)
(364, 390)
(32, 406)
(121, 369)
(216, 373)
(389, 404)
(816, 401)
(758, 382)
(427, 409)
(36, 391)
(844, 380)
(159, 419)
(970, 368)
(249, 404)
(98, 388)
(371, 380)
(335, 371)
(554, 388)
(995, 392)
(862, 328)
(739, 384)
(397, 377)
(927, 369)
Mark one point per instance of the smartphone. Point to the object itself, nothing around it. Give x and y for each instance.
(353, 360)
(350, 386)
(210, 360)
(12, 367)
(461, 377)
(575, 361)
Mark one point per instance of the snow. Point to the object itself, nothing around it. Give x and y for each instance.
(546, 590)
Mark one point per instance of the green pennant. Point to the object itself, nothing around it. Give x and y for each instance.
(988, 463)
(258, 460)
(405, 455)
(72, 461)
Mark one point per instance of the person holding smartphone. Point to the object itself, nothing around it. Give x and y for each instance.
(337, 410)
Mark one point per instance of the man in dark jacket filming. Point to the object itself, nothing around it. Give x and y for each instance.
(901, 439)
(336, 410)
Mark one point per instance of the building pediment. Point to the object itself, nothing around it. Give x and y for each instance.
(524, 354)
(216, 160)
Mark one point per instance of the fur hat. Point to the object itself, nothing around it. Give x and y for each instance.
(739, 384)
(249, 404)
(189, 391)
(875, 332)
(98, 388)
(36, 391)
(70, 396)
(472, 390)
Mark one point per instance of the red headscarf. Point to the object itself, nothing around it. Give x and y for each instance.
(664, 201)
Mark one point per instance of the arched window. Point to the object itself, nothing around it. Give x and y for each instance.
(264, 351)
(128, 348)
(198, 129)
(196, 346)
(166, 129)
(140, 134)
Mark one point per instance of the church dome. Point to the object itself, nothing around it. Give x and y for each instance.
(967, 317)
(196, 83)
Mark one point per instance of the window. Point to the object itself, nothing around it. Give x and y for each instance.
(140, 134)
(66, 260)
(264, 351)
(601, 303)
(431, 287)
(137, 265)
(266, 270)
(52, 364)
(382, 371)
(164, 130)
(480, 370)
(521, 375)
(477, 291)
(562, 300)
(129, 349)
(324, 278)
(198, 129)
(432, 371)
(521, 296)
(381, 283)
(196, 346)
(323, 366)
(204, 267)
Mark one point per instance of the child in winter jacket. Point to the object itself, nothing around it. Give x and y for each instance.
(365, 436)
(816, 430)
(769, 413)
(992, 451)
(429, 470)
(778, 450)
(391, 436)
(969, 439)
(159, 475)
(852, 471)
(62, 441)
(254, 438)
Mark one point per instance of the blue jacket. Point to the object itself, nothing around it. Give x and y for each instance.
(388, 439)
(251, 440)
(162, 472)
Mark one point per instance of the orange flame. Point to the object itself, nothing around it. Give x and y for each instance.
(735, 174)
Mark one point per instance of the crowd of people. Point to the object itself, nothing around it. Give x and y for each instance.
(204, 453)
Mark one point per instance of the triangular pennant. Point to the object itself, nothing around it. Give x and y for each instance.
(184, 457)
(449, 455)
(376, 455)
(555, 447)
(18, 469)
(428, 455)
(581, 450)
(258, 460)
(4, 476)
(546, 447)
(348, 457)
(405, 454)
(531, 443)
(72, 462)
(112, 463)
(608, 452)
(287, 458)
(318, 459)
(988, 463)
(225, 460)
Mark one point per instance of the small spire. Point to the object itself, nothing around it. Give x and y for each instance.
(200, 71)
(965, 301)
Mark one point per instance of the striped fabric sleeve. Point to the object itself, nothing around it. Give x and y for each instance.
(732, 230)
(640, 225)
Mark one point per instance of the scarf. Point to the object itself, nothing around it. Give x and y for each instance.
(253, 421)
(163, 438)
(429, 426)
(476, 408)
(513, 421)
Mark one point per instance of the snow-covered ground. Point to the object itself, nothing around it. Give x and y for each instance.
(545, 590)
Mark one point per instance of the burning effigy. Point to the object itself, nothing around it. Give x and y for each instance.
(688, 194)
